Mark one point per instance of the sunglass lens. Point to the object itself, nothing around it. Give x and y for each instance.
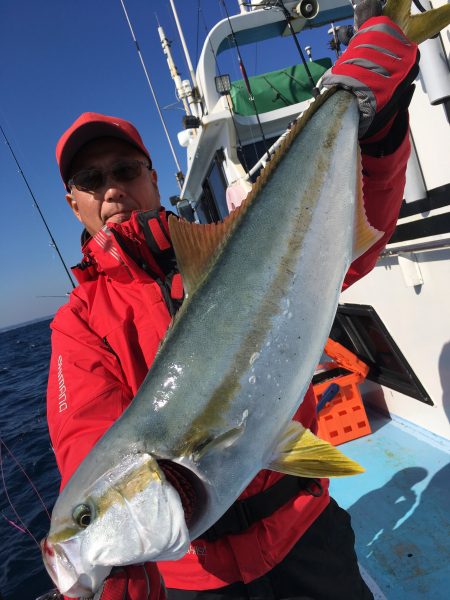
(126, 171)
(89, 180)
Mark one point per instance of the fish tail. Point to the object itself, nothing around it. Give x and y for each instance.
(417, 28)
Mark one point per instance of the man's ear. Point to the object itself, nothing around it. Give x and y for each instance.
(154, 178)
(72, 202)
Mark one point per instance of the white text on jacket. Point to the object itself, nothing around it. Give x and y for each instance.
(62, 398)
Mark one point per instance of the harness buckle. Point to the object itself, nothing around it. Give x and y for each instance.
(314, 488)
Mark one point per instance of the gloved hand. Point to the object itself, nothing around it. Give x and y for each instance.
(138, 582)
(114, 587)
(379, 67)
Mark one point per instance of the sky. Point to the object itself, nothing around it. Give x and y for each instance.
(59, 58)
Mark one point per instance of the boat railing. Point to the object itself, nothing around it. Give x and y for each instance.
(443, 244)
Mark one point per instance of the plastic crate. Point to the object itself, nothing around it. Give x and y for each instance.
(344, 418)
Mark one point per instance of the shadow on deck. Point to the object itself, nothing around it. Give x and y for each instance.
(399, 509)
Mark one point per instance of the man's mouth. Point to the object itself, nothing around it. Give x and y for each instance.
(119, 217)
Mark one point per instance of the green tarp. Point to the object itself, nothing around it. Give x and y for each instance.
(278, 88)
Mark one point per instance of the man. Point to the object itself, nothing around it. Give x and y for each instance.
(296, 542)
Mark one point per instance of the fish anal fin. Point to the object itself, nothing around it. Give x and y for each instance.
(365, 235)
(303, 454)
(417, 28)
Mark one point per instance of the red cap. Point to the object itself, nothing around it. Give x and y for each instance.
(90, 126)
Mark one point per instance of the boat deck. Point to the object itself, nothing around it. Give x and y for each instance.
(400, 509)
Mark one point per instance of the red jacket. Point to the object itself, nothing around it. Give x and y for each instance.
(105, 339)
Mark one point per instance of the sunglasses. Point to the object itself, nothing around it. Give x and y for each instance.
(92, 180)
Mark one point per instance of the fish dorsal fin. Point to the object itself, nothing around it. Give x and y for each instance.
(197, 245)
(365, 235)
(301, 453)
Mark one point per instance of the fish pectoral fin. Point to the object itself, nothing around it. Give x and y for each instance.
(365, 235)
(219, 442)
(301, 453)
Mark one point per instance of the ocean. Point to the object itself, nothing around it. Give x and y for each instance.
(24, 362)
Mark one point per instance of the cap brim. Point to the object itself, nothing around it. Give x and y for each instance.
(86, 133)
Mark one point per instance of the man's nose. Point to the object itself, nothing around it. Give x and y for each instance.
(112, 190)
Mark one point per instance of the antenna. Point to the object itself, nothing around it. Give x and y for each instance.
(188, 58)
(36, 204)
(179, 175)
(182, 93)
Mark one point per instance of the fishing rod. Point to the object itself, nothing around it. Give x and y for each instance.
(36, 204)
(279, 95)
(228, 100)
(309, 8)
(251, 97)
(179, 175)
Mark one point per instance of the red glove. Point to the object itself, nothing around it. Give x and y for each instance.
(114, 587)
(135, 582)
(379, 67)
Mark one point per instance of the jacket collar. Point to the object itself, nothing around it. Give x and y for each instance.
(120, 251)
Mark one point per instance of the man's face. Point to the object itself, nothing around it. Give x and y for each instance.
(115, 201)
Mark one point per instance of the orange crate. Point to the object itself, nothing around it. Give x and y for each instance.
(343, 418)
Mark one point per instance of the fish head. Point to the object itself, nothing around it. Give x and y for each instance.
(130, 514)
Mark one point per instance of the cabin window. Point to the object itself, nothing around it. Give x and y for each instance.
(206, 208)
(359, 328)
(212, 205)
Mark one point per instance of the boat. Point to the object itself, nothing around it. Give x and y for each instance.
(396, 320)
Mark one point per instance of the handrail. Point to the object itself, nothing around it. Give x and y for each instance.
(417, 247)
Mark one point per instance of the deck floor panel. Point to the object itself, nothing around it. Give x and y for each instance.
(400, 508)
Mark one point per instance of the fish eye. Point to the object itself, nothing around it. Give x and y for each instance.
(82, 515)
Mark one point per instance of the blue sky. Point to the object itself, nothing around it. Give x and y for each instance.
(59, 58)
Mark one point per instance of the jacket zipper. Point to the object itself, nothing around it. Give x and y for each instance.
(110, 349)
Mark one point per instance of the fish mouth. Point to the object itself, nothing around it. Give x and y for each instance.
(188, 486)
(62, 571)
(49, 558)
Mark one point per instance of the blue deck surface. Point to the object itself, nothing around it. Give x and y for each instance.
(400, 508)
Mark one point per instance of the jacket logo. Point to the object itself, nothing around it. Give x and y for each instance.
(62, 398)
(198, 550)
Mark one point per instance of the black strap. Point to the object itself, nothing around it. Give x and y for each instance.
(165, 258)
(244, 513)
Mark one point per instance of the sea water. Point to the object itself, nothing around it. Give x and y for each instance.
(24, 362)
